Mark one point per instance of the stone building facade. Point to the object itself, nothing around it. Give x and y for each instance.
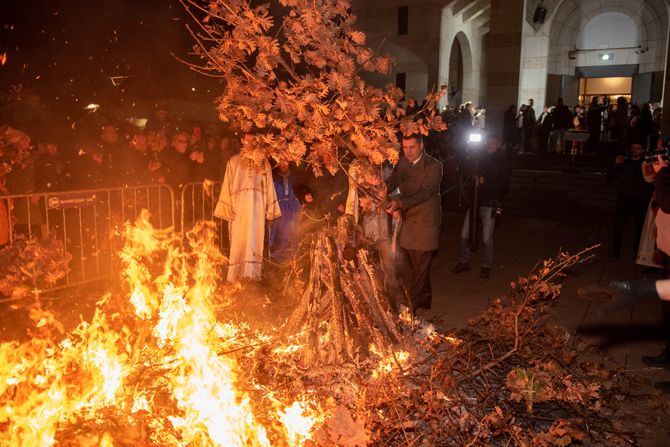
(502, 52)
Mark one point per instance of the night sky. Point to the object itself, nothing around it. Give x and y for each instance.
(67, 50)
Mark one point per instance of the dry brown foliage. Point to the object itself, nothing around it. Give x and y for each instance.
(291, 70)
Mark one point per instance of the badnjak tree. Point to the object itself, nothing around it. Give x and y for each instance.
(291, 71)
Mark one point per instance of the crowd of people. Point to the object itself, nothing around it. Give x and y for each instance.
(602, 128)
(175, 153)
(114, 154)
(607, 128)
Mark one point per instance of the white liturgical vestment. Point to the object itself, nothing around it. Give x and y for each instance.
(247, 200)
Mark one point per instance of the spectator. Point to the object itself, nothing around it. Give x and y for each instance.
(662, 194)
(161, 121)
(133, 161)
(561, 121)
(658, 118)
(633, 134)
(177, 162)
(632, 199)
(648, 254)
(579, 125)
(51, 172)
(545, 125)
(247, 200)
(196, 152)
(646, 126)
(493, 180)
(519, 126)
(480, 118)
(90, 168)
(284, 231)
(619, 123)
(510, 134)
(157, 143)
(529, 125)
(593, 123)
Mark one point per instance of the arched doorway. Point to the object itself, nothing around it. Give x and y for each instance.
(607, 39)
(461, 50)
(455, 74)
(461, 77)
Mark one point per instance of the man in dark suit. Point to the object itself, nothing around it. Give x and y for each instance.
(418, 176)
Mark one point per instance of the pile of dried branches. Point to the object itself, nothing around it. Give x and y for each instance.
(344, 300)
(29, 265)
(510, 378)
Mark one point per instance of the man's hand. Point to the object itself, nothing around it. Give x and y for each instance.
(619, 293)
(619, 159)
(481, 179)
(660, 164)
(197, 156)
(394, 205)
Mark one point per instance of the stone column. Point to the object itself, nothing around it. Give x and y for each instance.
(665, 122)
(503, 60)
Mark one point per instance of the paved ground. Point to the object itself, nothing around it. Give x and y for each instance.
(519, 244)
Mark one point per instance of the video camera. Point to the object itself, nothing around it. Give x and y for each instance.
(652, 157)
(475, 143)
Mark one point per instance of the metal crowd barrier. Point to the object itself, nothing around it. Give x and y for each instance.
(197, 202)
(85, 221)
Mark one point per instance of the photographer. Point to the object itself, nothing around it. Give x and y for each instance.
(493, 180)
(632, 198)
(626, 293)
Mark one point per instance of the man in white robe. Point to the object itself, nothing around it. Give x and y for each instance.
(247, 200)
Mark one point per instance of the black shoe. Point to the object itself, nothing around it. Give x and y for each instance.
(663, 387)
(460, 267)
(485, 272)
(657, 361)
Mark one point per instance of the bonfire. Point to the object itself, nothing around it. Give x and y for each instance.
(159, 365)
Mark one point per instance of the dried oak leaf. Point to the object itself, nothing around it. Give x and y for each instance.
(344, 431)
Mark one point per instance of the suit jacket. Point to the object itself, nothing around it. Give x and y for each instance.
(420, 195)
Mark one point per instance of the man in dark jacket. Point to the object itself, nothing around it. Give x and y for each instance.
(561, 121)
(418, 177)
(593, 122)
(493, 181)
(633, 196)
(324, 197)
(544, 128)
(177, 162)
(529, 124)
